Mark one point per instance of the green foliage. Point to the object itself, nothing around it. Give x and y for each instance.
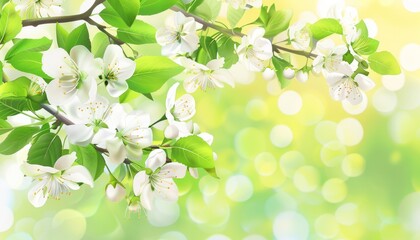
(126, 9)
(365, 46)
(79, 36)
(29, 62)
(10, 23)
(384, 63)
(10, 106)
(5, 127)
(325, 27)
(17, 139)
(16, 88)
(280, 64)
(28, 45)
(234, 15)
(110, 16)
(139, 33)
(150, 7)
(208, 10)
(90, 158)
(151, 73)
(226, 48)
(273, 21)
(207, 50)
(192, 5)
(193, 152)
(46, 150)
(99, 44)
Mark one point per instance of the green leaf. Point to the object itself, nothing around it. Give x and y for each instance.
(127, 9)
(325, 27)
(209, 10)
(16, 88)
(226, 49)
(193, 5)
(62, 35)
(151, 7)
(362, 29)
(384, 63)
(11, 106)
(1, 73)
(10, 23)
(194, 152)
(5, 126)
(139, 33)
(207, 50)
(280, 64)
(17, 139)
(234, 15)
(365, 46)
(274, 21)
(28, 45)
(110, 16)
(46, 150)
(79, 36)
(29, 62)
(99, 44)
(152, 72)
(90, 158)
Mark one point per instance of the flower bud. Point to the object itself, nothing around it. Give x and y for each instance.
(269, 74)
(115, 194)
(288, 73)
(302, 76)
(171, 132)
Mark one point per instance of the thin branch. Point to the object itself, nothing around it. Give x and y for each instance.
(71, 18)
(234, 33)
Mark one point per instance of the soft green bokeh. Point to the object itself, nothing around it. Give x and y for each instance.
(290, 162)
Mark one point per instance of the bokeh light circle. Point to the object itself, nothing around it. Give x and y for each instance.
(325, 132)
(409, 212)
(281, 136)
(326, 226)
(409, 56)
(350, 132)
(334, 190)
(290, 162)
(173, 235)
(239, 188)
(353, 165)
(384, 101)
(290, 102)
(333, 153)
(356, 109)
(347, 214)
(306, 179)
(69, 224)
(164, 213)
(6, 218)
(257, 109)
(412, 5)
(393, 82)
(290, 225)
(265, 164)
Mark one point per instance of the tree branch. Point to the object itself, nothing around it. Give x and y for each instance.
(86, 16)
(234, 33)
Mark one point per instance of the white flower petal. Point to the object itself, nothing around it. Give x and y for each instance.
(167, 189)
(34, 170)
(103, 135)
(116, 149)
(156, 159)
(36, 195)
(117, 88)
(65, 161)
(55, 94)
(193, 172)
(53, 62)
(173, 170)
(364, 82)
(79, 134)
(78, 174)
(146, 197)
(140, 181)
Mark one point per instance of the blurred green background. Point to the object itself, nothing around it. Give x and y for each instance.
(293, 163)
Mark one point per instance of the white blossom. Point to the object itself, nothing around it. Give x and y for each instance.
(344, 87)
(55, 181)
(302, 76)
(38, 8)
(157, 180)
(329, 57)
(117, 69)
(269, 74)
(179, 36)
(74, 75)
(348, 16)
(300, 36)
(207, 76)
(130, 135)
(89, 118)
(289, 73)
(254, 50)
(115, 193)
